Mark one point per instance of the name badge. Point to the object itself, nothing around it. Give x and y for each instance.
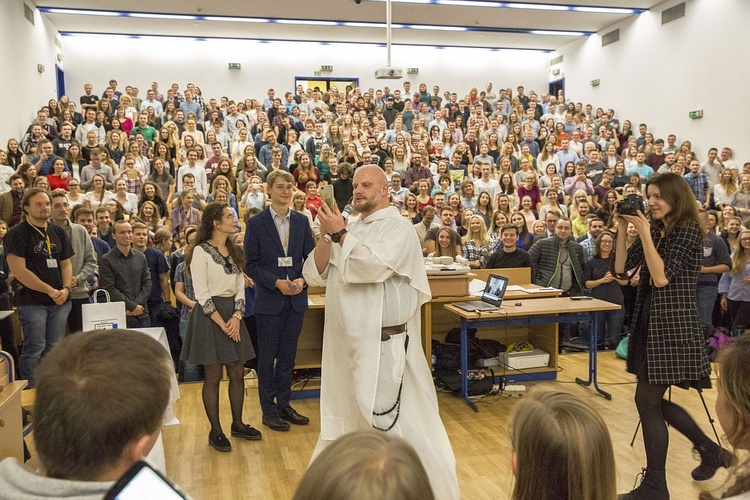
(52, 263)
(285, 262)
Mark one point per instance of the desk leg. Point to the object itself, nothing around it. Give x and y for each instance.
(465, 365)
(592, 359)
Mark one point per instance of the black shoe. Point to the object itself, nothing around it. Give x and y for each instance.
(246, 431)
(653, 487)
(275, 422)
(290, 415)
(219, 442)
(712, 457)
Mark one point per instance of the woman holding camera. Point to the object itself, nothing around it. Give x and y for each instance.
(666, 345)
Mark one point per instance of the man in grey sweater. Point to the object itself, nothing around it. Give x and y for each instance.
(83, 259)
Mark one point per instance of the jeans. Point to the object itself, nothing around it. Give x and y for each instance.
(135, 322)
(609, 325)
(43, 327)
(190, 372)
(707, 294)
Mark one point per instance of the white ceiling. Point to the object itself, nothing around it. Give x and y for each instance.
(346, 10)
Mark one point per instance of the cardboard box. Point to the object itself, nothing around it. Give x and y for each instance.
(456, 285)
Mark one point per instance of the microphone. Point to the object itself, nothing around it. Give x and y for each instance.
(347, 211)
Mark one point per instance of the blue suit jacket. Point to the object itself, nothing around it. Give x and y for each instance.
(262, 251)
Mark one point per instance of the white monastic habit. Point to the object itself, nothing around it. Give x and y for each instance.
(377, 278)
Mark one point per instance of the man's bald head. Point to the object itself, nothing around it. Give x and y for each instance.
(370, 190)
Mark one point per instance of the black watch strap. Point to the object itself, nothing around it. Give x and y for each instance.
(336, 237)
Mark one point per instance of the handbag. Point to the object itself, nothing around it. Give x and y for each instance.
(103, 315)
(622, 348)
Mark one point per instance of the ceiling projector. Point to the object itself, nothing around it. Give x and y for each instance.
(389, 73)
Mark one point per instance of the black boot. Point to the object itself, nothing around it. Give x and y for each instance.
(653, 487)
(712, 457)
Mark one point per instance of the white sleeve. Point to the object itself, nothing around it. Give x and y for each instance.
(199, 272)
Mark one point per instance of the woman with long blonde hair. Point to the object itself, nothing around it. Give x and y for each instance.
(477, 243)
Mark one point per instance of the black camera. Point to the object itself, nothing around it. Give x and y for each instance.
(630, 205)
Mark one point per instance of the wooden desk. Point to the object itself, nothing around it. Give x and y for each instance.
(11, 428)
(535, 312)
(435, 321)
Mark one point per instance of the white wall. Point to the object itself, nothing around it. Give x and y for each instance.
(657, 74)
(22, 47)
(274, 65)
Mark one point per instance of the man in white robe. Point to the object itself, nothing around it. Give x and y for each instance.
(376, 283)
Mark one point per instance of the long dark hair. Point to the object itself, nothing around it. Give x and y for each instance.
(213, 212)
(676, 191)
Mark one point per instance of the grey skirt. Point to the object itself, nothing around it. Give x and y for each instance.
(207, 344)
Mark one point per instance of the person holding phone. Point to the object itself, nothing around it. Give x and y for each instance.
(667, 346)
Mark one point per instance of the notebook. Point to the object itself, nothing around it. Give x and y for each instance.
(492, 296)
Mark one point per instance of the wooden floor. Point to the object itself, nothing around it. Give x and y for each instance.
(270, 468)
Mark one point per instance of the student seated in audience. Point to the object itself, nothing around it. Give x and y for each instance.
(508, 254)
(89, 429)
(366, 465)
(561, 449)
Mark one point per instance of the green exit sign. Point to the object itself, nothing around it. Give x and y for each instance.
(326, 68)
(235, 66)
(412, 71)
(316, 73)
(595, 83)
(698, 113)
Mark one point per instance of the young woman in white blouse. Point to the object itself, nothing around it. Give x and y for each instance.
(216, 334)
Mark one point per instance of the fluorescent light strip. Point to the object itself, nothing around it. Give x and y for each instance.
(536, 6)
(305, 22)
(607, 10)
(314, 22)
(146, 15)
(78, 12)
(225, 19)
(289, 42)
(523, 5)
(557, 33)
(435, 28)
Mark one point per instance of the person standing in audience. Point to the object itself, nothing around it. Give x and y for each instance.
(216, 335)
(374, 262)
(604, 286)
(667, 346)
(39, 257)
(277, 242)
(124, 274)
(11, 201)
(555, 437)
(716, 261)
(83, 260)
(733, 286)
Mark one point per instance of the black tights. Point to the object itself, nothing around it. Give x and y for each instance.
(236, 374)
(655, 413)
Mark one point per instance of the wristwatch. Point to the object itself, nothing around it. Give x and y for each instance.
(336, 237)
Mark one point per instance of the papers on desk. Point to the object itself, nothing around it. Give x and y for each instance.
(476, 287)
(515, 288)
(310, 302)
(544, 289)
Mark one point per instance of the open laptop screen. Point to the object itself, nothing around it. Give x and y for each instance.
(495, 289)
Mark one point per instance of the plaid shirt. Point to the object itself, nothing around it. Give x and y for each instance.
(181, 277)
(699, 184)
(134, 185)
(473, 252)
(588, 248)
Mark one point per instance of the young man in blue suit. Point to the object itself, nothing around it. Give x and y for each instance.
(277, 242)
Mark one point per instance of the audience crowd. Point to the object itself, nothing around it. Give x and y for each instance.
(502, 178)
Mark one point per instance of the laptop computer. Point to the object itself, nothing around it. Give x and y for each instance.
(492, 296)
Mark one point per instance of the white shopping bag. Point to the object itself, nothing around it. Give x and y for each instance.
(103, 315)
